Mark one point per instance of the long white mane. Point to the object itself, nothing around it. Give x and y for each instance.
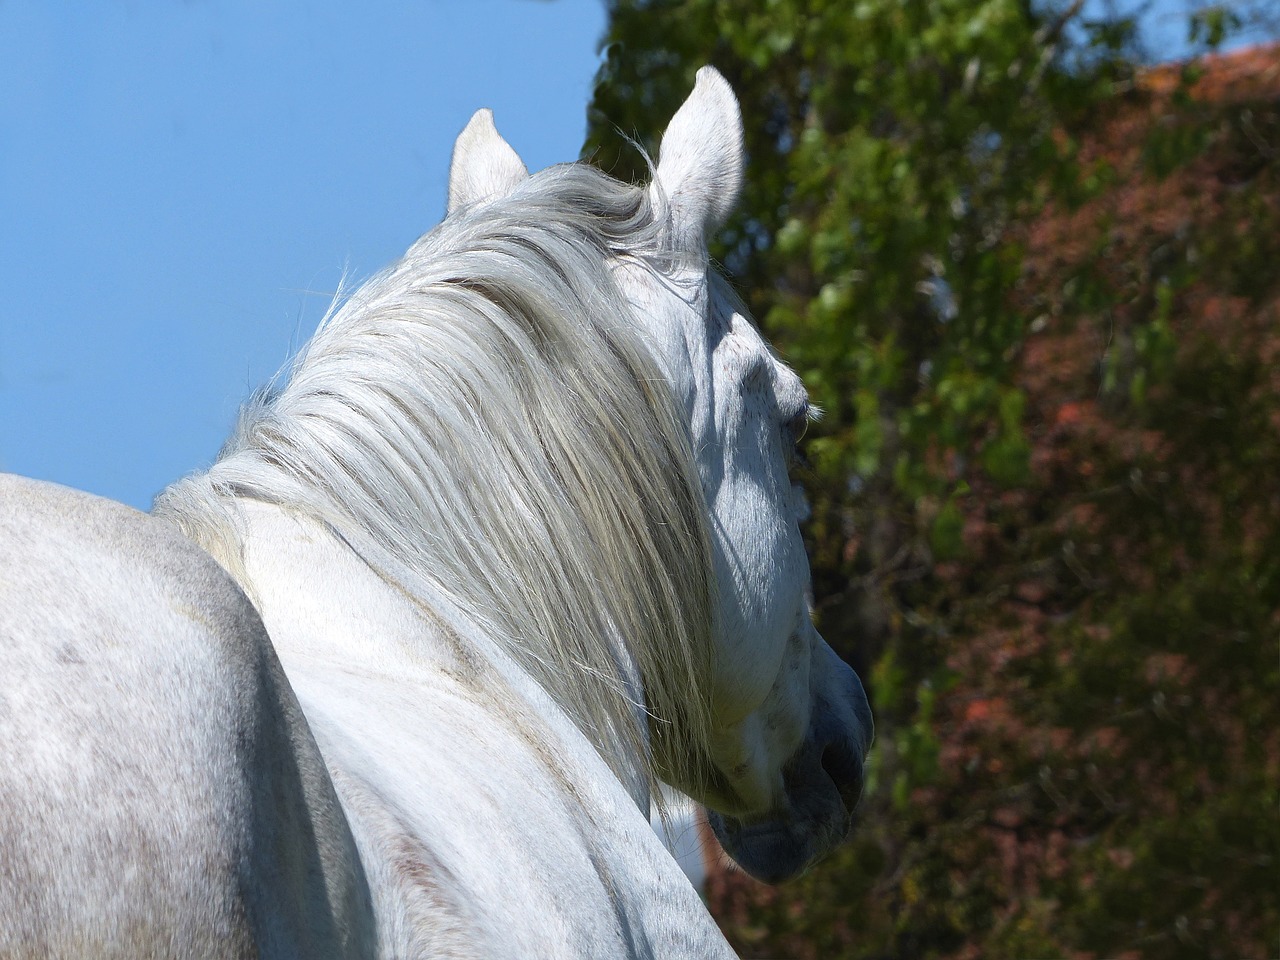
(483, 423)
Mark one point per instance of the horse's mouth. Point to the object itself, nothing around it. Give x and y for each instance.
(776, 850)
(822, 783)
(821, 799)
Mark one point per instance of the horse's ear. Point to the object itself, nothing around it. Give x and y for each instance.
(701, 158)
(484, 166)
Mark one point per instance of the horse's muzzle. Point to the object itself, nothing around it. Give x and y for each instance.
(823, 782)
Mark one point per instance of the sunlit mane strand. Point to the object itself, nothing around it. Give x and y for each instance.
(485, 413)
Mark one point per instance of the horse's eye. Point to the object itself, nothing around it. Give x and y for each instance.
(798, 425)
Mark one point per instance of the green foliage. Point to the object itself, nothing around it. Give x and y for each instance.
(874, 234)
(1212, 25)
(1035, 292)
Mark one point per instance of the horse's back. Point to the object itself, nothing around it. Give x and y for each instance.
(160, 793)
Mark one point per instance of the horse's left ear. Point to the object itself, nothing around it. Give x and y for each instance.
(701, 158)
(484, 166)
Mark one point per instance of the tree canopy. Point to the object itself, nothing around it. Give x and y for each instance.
(1034, 288)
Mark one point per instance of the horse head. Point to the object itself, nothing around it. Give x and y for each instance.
(788, 724)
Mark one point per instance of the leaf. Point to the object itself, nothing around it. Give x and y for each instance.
(946, 533)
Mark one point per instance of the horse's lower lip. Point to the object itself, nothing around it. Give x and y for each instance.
(755, 831)
(770, 851)
(807, 826)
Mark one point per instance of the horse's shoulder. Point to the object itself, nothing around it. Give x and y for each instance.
(158, 775)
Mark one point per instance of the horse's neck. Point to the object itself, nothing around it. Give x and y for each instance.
(462, 783)
(322, 603)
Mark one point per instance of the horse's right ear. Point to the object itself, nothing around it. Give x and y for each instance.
(484, 166)
(701, 158)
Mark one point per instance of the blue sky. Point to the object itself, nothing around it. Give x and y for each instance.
(183, 183)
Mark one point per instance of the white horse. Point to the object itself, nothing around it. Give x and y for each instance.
(512, 542)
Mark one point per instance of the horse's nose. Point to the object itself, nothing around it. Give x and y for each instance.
(842, 762)
(844, 730)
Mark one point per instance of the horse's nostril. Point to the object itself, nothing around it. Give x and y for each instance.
(844, 766)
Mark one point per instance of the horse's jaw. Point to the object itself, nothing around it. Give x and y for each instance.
(822, 784)
(818, 817)
(778, 847)
(773, 851)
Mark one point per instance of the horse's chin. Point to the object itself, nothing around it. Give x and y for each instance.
(774, 850)
(777, 847)
(823, 784)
